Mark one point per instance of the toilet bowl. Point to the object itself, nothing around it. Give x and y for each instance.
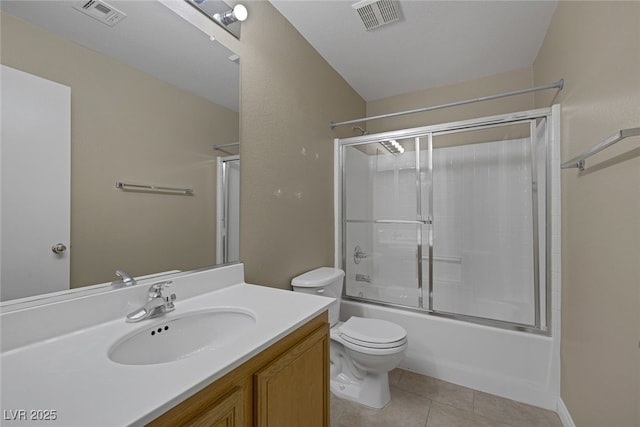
(362, 350)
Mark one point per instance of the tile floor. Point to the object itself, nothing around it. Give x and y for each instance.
(420, 401)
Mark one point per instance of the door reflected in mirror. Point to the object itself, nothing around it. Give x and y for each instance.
(149, 98)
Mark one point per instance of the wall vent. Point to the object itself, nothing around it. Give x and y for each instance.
(101, 11)
(375, 14)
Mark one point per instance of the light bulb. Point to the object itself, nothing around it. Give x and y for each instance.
(240, 12)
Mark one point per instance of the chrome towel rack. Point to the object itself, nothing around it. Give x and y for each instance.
(155, 188)
(580, 160)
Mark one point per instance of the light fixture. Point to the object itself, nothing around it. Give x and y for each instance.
(222, 14)
(392, 146)
(237, 14)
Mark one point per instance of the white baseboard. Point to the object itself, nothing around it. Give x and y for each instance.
(564, 414)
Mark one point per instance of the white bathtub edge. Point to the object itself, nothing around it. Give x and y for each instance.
(514, 365)
(563, 413)
(502, 386)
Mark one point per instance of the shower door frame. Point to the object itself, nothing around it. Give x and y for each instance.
(223, 208)
(441, 129)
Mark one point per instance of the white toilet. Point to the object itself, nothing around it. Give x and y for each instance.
(363, 350)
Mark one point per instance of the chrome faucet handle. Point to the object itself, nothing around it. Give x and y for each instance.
(125, 280)
(155, 290)
(170, 299)
(157, 304)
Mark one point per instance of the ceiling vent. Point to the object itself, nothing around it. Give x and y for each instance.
(101, 11)
(375, 14)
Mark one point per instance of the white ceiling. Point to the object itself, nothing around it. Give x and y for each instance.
(152, 39)
(436, 43)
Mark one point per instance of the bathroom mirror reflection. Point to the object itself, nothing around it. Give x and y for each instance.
(149, 96)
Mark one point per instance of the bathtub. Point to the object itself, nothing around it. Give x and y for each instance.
(452, 298)
(515, 365)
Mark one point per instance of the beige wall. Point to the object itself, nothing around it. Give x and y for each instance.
(289, 97)
(595, 47)
(129, 126)
(489, 85)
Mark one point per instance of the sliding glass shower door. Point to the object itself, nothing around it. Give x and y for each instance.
(382, 229)
(486, 233)
(450, 221)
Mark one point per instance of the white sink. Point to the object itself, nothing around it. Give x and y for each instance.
(170, 339)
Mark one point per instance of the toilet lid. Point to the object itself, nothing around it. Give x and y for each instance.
(373, 332)
(317, 278)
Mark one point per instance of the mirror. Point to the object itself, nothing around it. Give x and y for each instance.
(150, 97)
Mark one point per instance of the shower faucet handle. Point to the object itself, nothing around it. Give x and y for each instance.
(358, 255)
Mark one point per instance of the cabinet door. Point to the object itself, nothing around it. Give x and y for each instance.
(293, 390)
(226, 412)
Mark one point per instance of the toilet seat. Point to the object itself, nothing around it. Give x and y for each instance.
(374, 334)
(373, 345)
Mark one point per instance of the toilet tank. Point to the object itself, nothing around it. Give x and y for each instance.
(325, 281)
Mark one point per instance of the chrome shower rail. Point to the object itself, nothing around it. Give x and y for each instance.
(580, 161)
(220, 147)
(557, 85)
(140, 187)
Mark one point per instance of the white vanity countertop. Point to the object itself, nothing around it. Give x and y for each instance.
(73, 376)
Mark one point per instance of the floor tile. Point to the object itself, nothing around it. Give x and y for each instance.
(344, 413)
(515, 413)
(419, 401)
(436, 390)
(405, 409)
(447, 416)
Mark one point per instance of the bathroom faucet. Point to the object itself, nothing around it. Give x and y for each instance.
(157, 304)
(125, 280)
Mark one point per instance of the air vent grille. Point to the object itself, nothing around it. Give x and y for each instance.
(100, 11)
(388, 11)
(375, 14)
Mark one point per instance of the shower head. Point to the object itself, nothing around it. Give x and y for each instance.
(359, 129)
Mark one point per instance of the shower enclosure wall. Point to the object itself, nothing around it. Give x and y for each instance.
(452, 221)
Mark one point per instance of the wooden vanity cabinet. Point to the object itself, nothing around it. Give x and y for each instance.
(228, 411)
(285, 385)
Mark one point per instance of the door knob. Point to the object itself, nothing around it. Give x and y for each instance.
(58, 248)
